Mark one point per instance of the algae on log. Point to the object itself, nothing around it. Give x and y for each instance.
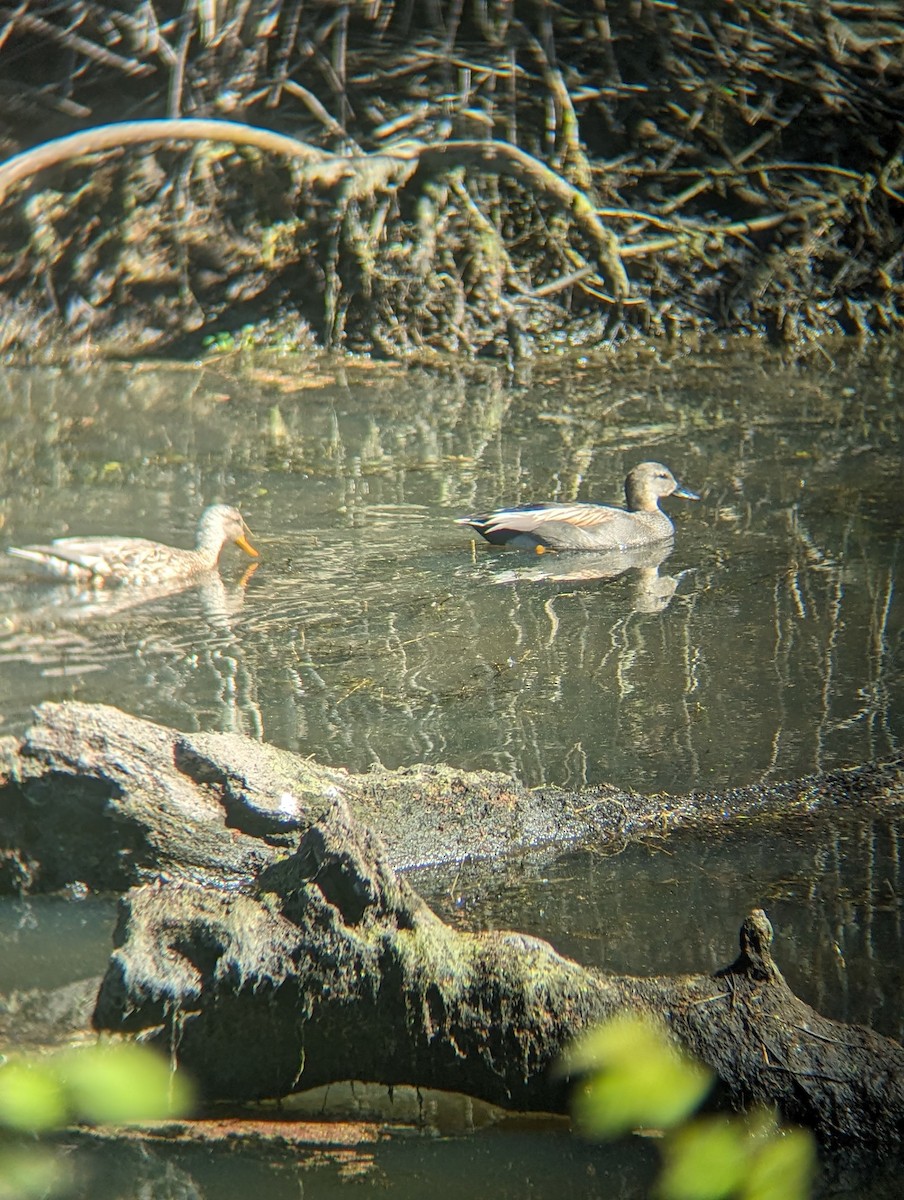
(332, 968)
(94, 796)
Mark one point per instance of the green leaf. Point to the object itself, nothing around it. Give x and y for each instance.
(783, 1169)
(639, 1078)
(123, 1083)
(707, 1160)
(30, 1097)
(30, 1171)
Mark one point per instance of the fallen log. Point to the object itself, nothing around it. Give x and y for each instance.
(91, 796)
(271, 947)
(330, 967)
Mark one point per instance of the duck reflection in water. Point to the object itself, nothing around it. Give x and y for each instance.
(651, 592)
(52, 639)
(99, 578)
(32, 608)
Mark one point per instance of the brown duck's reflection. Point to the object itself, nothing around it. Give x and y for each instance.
(71, 604)
(174, 654)
(651, 592)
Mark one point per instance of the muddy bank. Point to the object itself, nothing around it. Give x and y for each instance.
(470, 181)
(92, 796)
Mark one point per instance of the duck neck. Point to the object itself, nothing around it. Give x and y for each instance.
(639, 499)
(209, 543)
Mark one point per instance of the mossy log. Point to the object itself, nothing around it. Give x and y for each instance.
(330, 967)
(92, 796)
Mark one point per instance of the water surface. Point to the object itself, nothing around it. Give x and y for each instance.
(767, 645)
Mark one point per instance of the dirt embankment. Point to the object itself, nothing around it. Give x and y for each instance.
(473, 179)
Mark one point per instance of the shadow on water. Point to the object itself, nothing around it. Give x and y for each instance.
(764, 645)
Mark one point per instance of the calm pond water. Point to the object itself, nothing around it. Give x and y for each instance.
(766, 646)
(371, 632)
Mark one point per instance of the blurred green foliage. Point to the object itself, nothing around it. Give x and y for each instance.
(633, 1075)
(105, 1084)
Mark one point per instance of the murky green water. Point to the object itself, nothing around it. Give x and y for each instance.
(768, 645)
(370, 631)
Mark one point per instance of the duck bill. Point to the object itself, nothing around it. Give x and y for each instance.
(243, 544)
(685, 493)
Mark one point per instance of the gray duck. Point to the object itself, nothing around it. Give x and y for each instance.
(552, 526)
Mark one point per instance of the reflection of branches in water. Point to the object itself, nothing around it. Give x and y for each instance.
(192, 665)
(819, 616)
(877, 699)
(853, 914)
(519, 666)
(371, 633)
(832, 891)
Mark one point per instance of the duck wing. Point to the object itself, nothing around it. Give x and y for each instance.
(559, 526)
(86, 558)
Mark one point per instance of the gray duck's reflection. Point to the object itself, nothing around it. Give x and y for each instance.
(651, 592)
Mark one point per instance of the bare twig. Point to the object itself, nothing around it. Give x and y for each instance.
(74, 41)
(125, 133)
(503, 158)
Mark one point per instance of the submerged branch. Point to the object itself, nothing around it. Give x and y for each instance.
(85, 778)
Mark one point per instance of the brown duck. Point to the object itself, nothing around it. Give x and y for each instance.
(138, 562)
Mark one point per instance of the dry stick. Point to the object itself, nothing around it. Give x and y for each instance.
(369, 172)
(74, 41)
(734, 229)
(768, 166)
(566, 281)
(288, 35)
(177, 75)
(360, 177)
(233, 24)
(510, 160)
(114, 137)
(314, 106)
(735, 161)
(205, 11)
(574, 156)
(11, 18)
(154, 43)
(340, 64)
(604, 37)
(486, 227)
